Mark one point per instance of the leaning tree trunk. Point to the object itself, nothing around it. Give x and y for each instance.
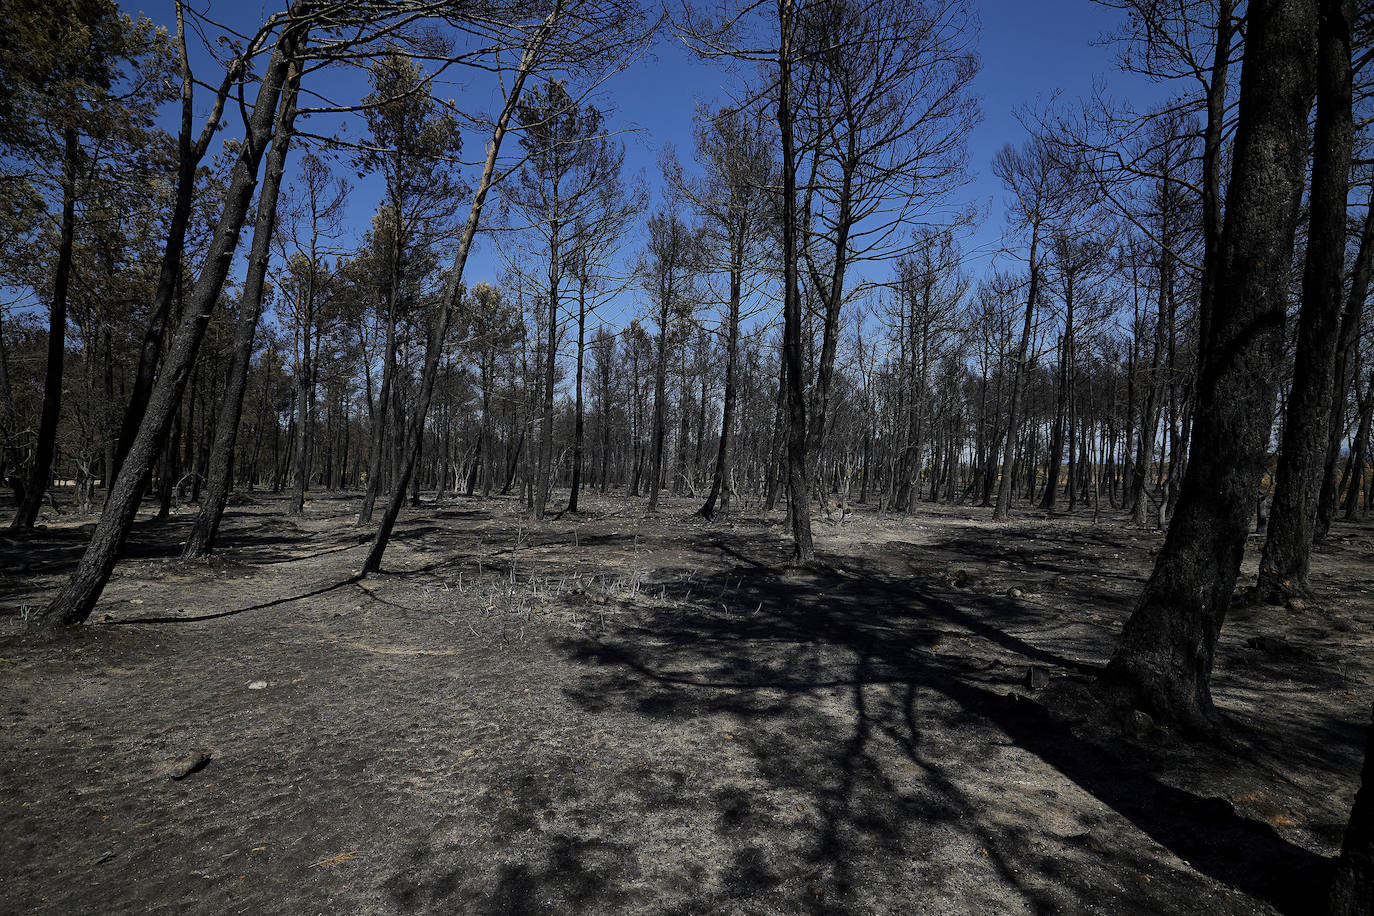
(57, 344)
(1302, 455)
(201, 538)
(435, 346)
(1352, 888)
(1164, 659)
(189, 155)
(74, 603)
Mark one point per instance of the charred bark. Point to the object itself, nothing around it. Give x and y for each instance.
(201, 538)
(1287, 553)
(1164, 660)
(76, 600)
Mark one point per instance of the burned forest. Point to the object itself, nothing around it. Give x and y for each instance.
(599, 456)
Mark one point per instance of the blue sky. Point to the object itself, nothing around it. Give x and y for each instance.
(1029, 51)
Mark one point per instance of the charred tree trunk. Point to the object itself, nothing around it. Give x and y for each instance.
(798, 482)
(1352, 889)
(543, 469)
(201, 538)
(578, 419)
(435, 346)
(1344, 374)
(659, 433)
(1164, 660)
(1003, 508)
(1056, 443)
(1359, 444)
(1288, 547)
(76, 600)
(304, 386)
(189, 155)
(382, 412)
(727, 415)
(46, 448)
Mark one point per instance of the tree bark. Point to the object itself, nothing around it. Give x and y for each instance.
(76, 600)
(435, 345)
(46, 448)
(798, 486)
(1345, 374)
(1287, 555)
(204, 530)
(1164, 660)
(1352, 889)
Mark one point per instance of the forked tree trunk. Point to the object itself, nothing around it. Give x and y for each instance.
(189, 155)
(201, 538)
(76, 600)
(1287, 553)
(1164, 660)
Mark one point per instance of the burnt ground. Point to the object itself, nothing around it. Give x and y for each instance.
(622, 713)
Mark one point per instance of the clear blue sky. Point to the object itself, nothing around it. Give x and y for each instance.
(1029, 50)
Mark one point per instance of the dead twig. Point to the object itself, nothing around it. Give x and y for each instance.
(335, 860)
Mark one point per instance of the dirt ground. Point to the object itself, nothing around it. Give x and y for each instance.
(623, 713)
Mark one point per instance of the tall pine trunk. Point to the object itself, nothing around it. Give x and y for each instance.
(46, 449)
(1164, 659)
(579, 419)
(798, 482)
(1302, 454)
(727, 415)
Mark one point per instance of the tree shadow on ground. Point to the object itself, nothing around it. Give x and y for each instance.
(826, 673)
